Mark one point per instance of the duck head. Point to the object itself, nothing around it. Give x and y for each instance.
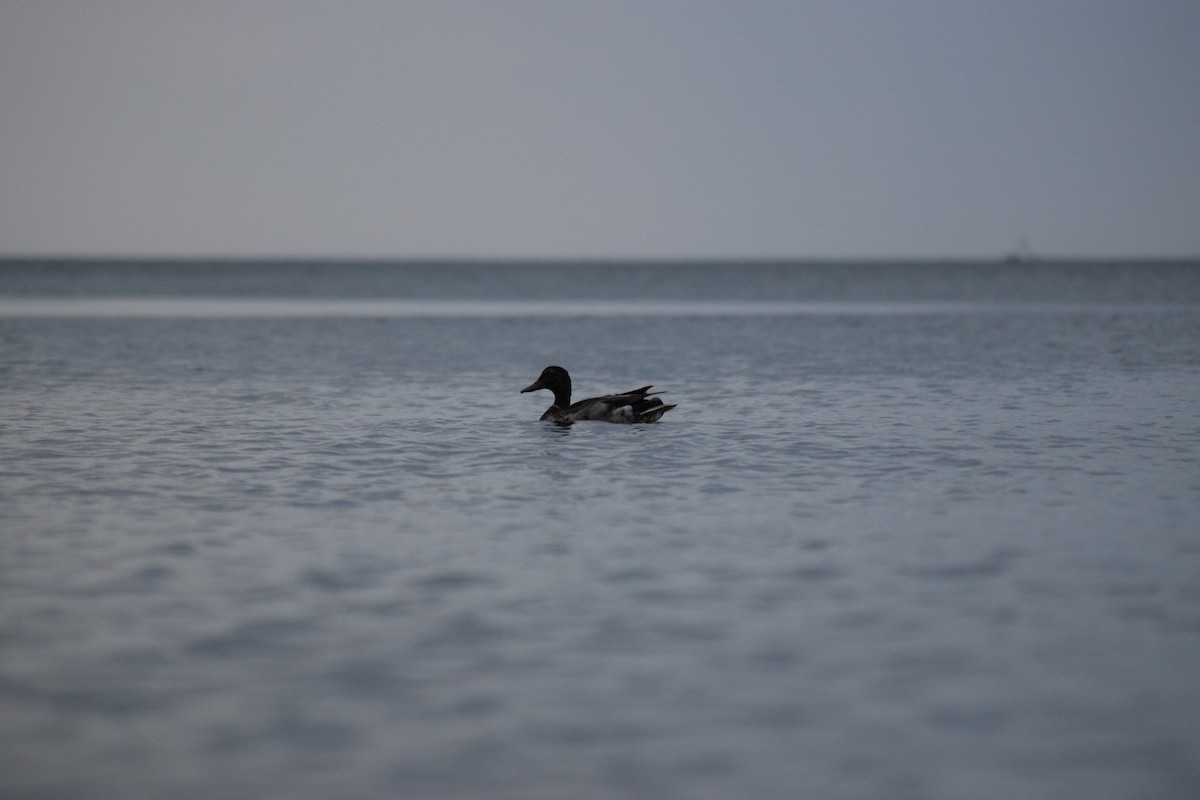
(557, 381)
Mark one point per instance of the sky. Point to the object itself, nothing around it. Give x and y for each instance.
(599, 129)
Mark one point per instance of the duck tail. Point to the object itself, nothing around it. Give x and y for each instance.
(654, 413)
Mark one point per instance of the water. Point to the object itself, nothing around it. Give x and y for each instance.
(289, 531)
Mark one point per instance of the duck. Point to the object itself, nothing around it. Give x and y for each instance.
(634, 406)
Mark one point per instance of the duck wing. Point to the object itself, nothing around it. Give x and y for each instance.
(638, 405)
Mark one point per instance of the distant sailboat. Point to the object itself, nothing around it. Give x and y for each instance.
(1022, 255)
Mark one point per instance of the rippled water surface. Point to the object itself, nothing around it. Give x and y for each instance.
(940, 541)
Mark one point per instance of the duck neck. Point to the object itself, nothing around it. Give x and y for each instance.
(562, 396)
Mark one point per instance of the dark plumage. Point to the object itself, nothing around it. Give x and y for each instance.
(638, 405)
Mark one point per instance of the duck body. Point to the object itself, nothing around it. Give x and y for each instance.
(635, 406)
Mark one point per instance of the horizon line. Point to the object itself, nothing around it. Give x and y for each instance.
(1002, 258)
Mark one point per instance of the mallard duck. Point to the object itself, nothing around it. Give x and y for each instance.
(638, 405)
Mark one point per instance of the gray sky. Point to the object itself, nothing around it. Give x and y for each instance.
(604, 128)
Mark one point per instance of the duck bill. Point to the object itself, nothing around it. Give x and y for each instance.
(533, 387)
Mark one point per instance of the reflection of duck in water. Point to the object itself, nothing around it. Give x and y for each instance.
(638, 405)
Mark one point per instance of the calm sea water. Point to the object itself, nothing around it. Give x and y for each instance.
(289, 531)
